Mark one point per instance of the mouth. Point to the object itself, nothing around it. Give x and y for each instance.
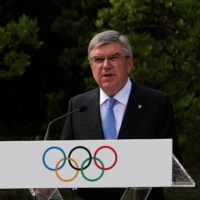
(107, 75)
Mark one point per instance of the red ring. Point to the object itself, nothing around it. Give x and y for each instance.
(106, 168)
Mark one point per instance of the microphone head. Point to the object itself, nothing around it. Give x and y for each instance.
(82, 108)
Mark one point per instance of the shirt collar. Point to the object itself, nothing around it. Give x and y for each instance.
(122, 96)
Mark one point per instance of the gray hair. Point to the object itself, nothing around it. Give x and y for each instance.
(108, 37)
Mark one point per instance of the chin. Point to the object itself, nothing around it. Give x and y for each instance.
(108, 86)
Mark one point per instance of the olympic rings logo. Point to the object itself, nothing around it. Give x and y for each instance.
(83, 165)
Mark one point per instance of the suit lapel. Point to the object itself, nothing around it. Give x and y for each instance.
(93, 115)
(134, 111)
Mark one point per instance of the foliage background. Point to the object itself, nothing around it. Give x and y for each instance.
(43, 62)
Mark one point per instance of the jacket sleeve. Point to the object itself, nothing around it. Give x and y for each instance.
(166, 125)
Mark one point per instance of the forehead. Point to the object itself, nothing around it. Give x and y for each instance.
(107, 49)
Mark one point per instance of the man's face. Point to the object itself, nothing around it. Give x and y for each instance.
(110, 74)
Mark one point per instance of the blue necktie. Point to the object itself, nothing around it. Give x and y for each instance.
(109, 125)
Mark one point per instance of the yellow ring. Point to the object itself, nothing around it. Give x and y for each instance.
(66, 180)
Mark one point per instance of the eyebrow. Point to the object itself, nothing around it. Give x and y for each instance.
(115, 54)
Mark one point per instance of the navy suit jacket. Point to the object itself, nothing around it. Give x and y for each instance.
(153, 120)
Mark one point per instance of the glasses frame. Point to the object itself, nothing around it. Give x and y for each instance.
(112, 59)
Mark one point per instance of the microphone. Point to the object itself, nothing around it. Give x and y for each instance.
(81, 109)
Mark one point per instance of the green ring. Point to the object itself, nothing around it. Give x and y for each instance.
(92, 180)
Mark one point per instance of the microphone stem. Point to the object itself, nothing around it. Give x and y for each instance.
(47, 132)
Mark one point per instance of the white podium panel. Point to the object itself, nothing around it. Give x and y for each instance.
(86, 163)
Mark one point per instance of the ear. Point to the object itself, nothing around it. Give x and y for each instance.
(130, 64)
(91, 67)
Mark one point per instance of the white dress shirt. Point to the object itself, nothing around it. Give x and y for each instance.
(119, 108)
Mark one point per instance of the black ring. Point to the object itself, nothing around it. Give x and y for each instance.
(81, 148)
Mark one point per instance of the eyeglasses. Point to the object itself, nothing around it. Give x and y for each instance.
(99, 61)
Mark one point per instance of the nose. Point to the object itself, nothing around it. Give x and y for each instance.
(106, 63)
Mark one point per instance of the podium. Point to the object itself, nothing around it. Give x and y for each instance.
(45, 193)
(180, 178)
(46, 166)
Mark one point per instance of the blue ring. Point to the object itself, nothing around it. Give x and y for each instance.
(43, 158)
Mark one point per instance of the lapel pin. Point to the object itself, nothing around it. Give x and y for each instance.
(139, 106)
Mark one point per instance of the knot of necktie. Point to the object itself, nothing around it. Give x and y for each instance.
(110, 103)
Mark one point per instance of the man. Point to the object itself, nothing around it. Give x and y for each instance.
(140, 112)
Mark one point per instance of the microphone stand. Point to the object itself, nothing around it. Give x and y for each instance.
(48, 127)
(51, 193)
